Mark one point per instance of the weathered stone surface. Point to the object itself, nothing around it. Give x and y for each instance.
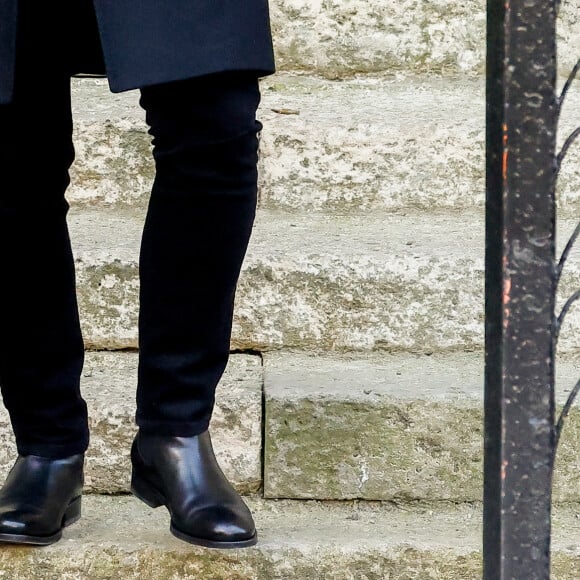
(402, 282)
(122, 538)
(108, 384)
(372, 144)
(412, 144)
(341, 37)
(387, 428)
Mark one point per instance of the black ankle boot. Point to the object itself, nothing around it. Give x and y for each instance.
(40, 497)
(182, 474)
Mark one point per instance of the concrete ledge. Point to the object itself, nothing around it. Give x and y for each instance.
(121, 538)
(108, 384)
(388, 428)
(368, 144)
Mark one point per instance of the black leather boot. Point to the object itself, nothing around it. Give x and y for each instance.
(182, 474)
(40, 497)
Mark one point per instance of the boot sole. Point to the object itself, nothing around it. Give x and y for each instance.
(71, 515)
(154, 499)
(212, 543)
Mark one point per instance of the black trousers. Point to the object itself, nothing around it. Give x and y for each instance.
(195, 237)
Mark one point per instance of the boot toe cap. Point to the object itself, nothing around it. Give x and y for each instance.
(14, 528)
(12, 525)
(219, 524)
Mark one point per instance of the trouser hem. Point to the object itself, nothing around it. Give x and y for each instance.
(52, 451)
(173, 429)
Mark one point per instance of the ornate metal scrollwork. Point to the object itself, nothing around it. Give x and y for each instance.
(558, 320)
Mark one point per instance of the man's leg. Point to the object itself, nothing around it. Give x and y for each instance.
(197, 230)
(41, 348)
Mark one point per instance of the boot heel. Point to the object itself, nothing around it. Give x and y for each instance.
(72, 513)
(146, 492)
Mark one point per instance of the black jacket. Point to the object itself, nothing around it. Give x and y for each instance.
(147, 42)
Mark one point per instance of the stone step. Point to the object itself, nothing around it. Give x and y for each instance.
(402, 282)
(108, 384)
(339, 38)
(122, 538)
(330, 427)
(360, 145)
(389, 427)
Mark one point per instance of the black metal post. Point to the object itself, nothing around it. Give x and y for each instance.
(520, 288)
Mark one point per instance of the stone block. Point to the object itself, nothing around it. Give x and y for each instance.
(401, 282)
(395, 428)
(417, 144)
(122, 538)
(108, 384)
(337, 38)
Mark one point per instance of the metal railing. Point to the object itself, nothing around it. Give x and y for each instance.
(522, 275)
